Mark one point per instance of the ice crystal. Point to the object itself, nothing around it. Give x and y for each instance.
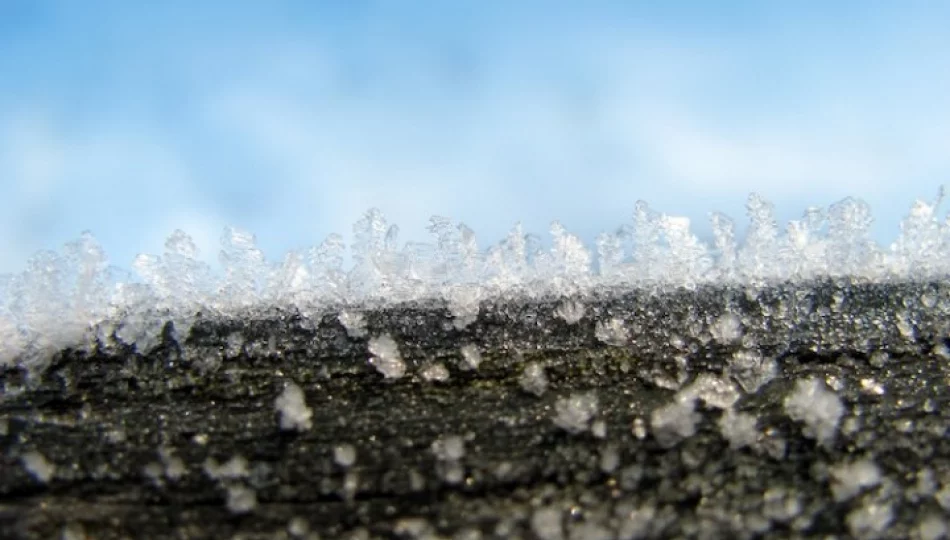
(533, 380)
(674, 422)
(575, 412)
(386, 358)
(612, 332)
(344, 455)
(471, 358)
(294, 413)
(817, 407)
(74, 298)
(37, 465)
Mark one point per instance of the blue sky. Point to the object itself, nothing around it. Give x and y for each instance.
(290, 119)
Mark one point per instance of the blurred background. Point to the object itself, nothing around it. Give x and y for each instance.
(291, 119)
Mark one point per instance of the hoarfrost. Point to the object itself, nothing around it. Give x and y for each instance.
(571, 311)
(849, 479)
(354, 322)
(738, 428)
(674, 422)
(871, 520)
(344, 455)
(241, 499)
(575, 412)
(435, 372)
(726, 329)
(751, 370)
(37, 465)
(533, 380)
(386, 358)
(546, 523)
(613, 332)
(714, 391)
(932, 527)
(449, 448)
(233, 469)
(75, 297)
(293, 410)
(471, 358)
(818, 408)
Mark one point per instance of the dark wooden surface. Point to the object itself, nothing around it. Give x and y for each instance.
(116, 423)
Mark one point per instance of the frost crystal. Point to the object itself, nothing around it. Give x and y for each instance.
(574, 413)
(932, 527)
(612, 332)
(738, 428)
(571, 311)
(75, 298)
(38, 466)
(546, 524)
(386, 358)
(674, 422)
(354, 322)
(849, 479)
(818, 408)
(726, 329)
(449, 448)
(435, 372)
(714, 391)
(233, 469)
(344, 455)
(533, 380)
(751, 370)
(871, 520)
(241, 499)
(294, 413)
(471, 358)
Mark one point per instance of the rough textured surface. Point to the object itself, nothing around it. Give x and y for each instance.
(143, 444)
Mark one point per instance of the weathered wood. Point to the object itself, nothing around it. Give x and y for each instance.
(117, 425)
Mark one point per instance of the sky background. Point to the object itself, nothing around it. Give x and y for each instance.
(291, 119)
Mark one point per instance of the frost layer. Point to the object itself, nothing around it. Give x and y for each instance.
(74, 298)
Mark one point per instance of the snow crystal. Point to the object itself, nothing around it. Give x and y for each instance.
(533, 380)
(849, 479)
(241, 499)
(675, 422)
(298, 527)
(233, 469)
(294, 413)
(932, 527)
(609, 459)
(726, 329)
(546, 523)
(613, 332)
(639, 428)
(435, 372)
(75, 298)
(818, 408)
(354, 322)
(344, 455)
(174, 466)
(471, 358)
(879, 358)
(386, 358)
(571, 311)
(738, 428)
(574, 413)
(751, 370)
(870, 520)
(449, 448)
(714, 391)
(781, 505)
(37, 465)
